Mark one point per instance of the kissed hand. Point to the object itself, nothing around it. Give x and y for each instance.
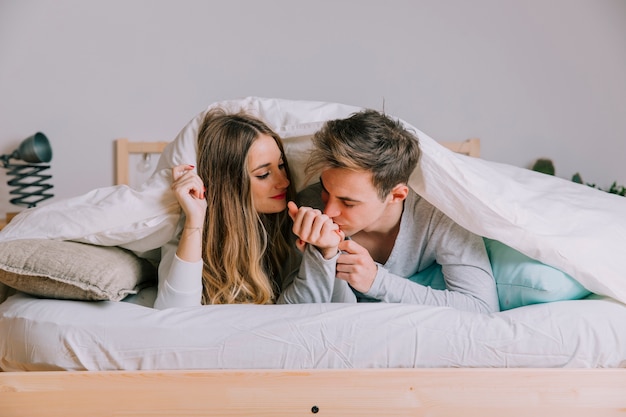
(314, 227)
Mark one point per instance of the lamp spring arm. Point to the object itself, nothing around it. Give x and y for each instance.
(30, 184)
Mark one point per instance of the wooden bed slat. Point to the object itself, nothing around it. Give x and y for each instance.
(375, 392)
(469, 147)
(123, 149)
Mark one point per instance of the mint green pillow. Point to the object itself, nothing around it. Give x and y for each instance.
(430, 277)
(520, 280)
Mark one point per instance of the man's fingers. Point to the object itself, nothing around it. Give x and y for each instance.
(350, 246)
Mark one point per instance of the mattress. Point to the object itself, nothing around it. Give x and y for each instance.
(49, 334)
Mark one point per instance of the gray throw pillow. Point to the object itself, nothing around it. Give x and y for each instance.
(72, 270)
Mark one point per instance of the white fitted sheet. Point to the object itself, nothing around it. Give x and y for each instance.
(43, 335)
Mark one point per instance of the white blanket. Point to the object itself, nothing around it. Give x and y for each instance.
(572, 227)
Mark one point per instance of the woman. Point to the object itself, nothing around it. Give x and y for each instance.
(235, 245)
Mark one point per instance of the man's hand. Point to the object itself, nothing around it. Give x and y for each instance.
(356, 266)
(314, 227)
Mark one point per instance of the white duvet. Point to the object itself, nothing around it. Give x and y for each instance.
(572, 227)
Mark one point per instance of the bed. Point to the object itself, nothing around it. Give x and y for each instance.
(118, 356)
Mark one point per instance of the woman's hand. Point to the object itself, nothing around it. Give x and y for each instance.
(189, 191)
(314, 227)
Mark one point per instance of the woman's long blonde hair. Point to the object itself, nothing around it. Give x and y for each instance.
(244, 250)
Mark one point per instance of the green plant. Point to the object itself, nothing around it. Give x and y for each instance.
(617, 189)
(613, 189)
(546, 166)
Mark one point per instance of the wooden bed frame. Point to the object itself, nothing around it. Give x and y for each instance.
(355, 392)
(345, 392)
(124, 149)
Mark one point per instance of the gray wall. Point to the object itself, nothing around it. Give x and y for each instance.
(531, 78)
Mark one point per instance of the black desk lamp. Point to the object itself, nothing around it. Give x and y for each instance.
(28, 182)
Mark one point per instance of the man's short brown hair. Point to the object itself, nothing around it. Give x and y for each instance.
(367, 141)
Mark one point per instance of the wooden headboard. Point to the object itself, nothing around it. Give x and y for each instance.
(469, 147)
(124, 148)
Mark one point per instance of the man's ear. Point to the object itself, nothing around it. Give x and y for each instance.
(399, 193)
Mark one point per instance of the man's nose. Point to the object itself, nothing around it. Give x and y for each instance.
(331, 208)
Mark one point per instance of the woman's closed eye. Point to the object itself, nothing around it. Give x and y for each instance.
(281, 166)
(263, 176)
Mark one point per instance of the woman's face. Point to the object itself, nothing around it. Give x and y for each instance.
(268, 177)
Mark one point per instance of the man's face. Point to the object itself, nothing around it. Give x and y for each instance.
(351, 200)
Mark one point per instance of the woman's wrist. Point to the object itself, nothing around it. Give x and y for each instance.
(328, 253)
(194, 223)
(190, 231)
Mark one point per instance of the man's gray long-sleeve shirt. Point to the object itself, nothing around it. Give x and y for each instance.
(426, 236)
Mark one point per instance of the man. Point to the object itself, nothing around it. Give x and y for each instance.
(390, 232)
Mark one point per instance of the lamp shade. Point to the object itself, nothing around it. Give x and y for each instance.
(35, 149)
